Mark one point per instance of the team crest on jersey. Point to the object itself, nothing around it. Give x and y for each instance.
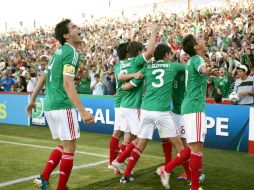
(69, 69)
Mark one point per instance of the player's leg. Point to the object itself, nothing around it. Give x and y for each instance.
(196, 137)
(181, 130)
(68, 133)
(167, 150)
(132, 120)
(114, 140)
(54, 158)
(145, 133)
(168, 129)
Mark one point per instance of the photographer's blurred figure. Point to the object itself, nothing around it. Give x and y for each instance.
(244, 86)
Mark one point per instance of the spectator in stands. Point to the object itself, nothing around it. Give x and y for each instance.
(21, 84)
(224, 82)
(32, 81)
(7, 82)
(111, 85)
(97, 86)
(83, 86)
(244, 86)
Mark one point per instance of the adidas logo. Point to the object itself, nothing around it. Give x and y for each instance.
(51, 161)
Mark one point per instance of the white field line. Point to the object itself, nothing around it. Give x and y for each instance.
(8, 183)
(47, 147)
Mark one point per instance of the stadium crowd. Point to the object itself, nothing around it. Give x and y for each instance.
(229, 35)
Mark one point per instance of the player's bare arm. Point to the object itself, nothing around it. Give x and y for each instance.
(71, 91)
(151, 47)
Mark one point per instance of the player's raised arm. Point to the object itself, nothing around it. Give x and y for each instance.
(151, 47)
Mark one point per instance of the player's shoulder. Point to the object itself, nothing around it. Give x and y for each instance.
(196, 59)
(68, 49)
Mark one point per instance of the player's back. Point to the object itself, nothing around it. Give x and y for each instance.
(178, 92)
(133, 98)
(64, 60)
(159, 77)
(119, 93)
(196, 84)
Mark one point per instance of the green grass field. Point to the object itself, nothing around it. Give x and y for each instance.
(24, 151)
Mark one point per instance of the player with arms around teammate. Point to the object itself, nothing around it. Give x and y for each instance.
(60, 100)
(131, 100)
(155, 113)
(119, 126)
(193, 108)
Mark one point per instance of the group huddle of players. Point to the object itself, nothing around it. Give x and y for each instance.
(145, 90)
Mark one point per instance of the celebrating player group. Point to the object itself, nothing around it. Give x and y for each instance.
(147, 82)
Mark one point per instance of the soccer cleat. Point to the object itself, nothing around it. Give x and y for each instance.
(41, 183)
(110, 167)
(202, 178)
(200, 188)
(126, 179)
(119, 166)
(183, 177)
(164, 176)
(116, 171)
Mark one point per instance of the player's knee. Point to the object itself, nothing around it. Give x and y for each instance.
(69, 146)
(117, 133)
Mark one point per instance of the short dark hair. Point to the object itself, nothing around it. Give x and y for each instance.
(134, 48)
(97, 76)
(122, 50)
(61, 29)
(189, 42)
(161, 50)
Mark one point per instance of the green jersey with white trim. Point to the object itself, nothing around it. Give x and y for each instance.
(65, 61)
(178, 92)
(224, 84)
(159, 77)
(196, 84)
(119, 93)
(133, 98)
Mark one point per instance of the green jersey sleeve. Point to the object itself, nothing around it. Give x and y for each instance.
(197, 63)
(140, 60)
(136, 82)
(70, 61)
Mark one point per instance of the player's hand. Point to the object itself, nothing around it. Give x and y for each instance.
(241, 94)
(86, 116)
(30, 107)
(138, 75)
(155, 28)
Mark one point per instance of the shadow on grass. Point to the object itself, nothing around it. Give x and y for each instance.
(144, 180)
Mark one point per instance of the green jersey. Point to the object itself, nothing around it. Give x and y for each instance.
(224, 84)
(65, 61)
(119, 93)
(196, 84)
(159, 77)
(178, 92)
(215, 84)
(84, 85)
(133, 98)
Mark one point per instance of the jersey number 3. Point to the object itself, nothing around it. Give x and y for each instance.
(158, 77)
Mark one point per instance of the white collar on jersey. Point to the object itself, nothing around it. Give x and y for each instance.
(70, 45)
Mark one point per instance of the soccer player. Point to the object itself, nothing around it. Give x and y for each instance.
(178, 93)
(193, 108)
(159, 77)
(131, 100)
(60, 100)
(119, 126)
